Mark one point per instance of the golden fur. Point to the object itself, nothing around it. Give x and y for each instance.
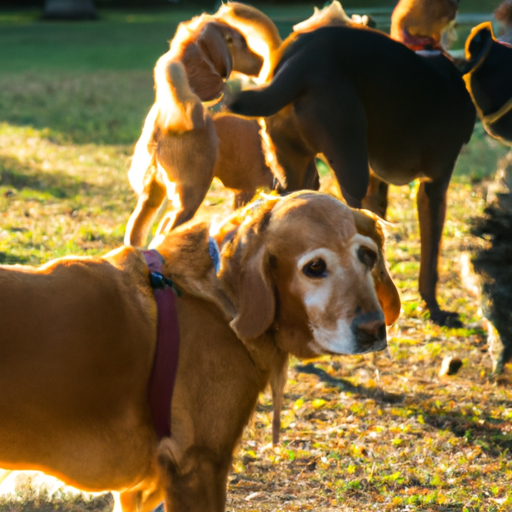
(260, 31)
(367, 224)
(79, 334)
(177, 151)
(420, 23)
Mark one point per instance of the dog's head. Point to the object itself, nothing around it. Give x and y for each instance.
(260, 31)
(488, 76)
(298, 267)
(210, 50)
(190, 262)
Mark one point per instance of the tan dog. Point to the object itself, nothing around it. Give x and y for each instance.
(177, 150)
(78, 337)
(367, 224)
(241, 164)
(420, 24)
(260, 31)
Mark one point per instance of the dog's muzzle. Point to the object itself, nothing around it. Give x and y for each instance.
(369, 331)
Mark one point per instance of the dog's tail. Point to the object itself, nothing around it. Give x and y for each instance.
(180, 110)
(286, 86)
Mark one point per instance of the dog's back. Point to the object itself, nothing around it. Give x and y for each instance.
(67, 328)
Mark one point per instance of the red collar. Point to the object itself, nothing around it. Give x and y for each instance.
(165, 362)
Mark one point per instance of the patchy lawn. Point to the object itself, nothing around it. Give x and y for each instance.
(381, 432)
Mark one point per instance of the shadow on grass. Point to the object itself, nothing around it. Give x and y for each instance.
(56, 184)
(344, 385)
(11, 259)
(492, 435)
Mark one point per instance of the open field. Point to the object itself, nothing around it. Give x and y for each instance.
(363, 433)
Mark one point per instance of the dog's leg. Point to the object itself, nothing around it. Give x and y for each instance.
(242, 197)
(278, 378)
(431, 213)
(137, 501)
(198, 482)
(333, 121)
(148, 204)
(376, 199)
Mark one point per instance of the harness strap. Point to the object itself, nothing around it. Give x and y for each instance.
(492, 118)
(165, 362)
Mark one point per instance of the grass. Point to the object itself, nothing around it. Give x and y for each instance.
(380, 432)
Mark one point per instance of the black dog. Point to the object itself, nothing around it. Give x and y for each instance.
(494, 265)
(366, 101)
(488, 76)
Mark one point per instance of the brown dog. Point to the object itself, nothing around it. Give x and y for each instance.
(367, 224)
(176, 153)
(420, 24)
(403, 115)
(78, 338)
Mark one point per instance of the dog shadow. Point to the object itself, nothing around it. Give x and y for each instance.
(491, 435)
(344, 385)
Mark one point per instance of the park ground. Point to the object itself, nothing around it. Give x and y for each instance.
(380, 432)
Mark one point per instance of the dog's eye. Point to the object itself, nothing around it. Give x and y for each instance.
(316, 268)
(367, 256)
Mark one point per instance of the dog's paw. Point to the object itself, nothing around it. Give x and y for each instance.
(446, 319)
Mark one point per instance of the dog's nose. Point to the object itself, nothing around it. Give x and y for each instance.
(370, 331)
(375, 328)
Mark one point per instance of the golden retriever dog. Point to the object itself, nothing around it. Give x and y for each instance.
(421, 24)
(367, 224)
(79, 336)
(176, 153)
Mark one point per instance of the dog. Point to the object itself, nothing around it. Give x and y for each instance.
(503, 15)
(79, 335)
(493, 265)
(403, 115)
(421, 24)
(488, 76)
(177, 151)
(367, 224)
(260, 32)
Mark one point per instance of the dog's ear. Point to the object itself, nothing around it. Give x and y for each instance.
(190, 260)
(208, 62)
(213, 42)
(480, 38)
(256, 306)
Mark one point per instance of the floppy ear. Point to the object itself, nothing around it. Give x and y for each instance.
(256, 302)
(478, 41)
(213, 44)
(189, 263)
